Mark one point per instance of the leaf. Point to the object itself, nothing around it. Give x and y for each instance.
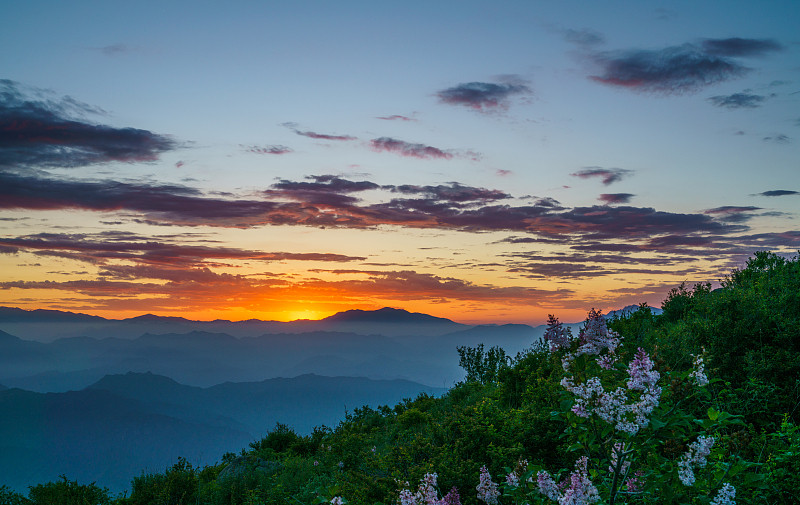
(713, 414)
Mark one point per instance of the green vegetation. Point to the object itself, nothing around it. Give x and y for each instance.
(745, 337)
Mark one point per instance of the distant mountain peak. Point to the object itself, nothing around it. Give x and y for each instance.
(385, 315)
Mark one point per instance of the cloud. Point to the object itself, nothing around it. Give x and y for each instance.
(115, 49)
(737, 101)
(331, 201)
(733, 213)
(36, 131)
(614, 198)
(503, 172)
(778, 139)
(453, 193)
(673, 70)
(165, 203)
(779, 192)
(739, 47)
(482, 96)
(403, 148)
(316, 136)
(156, 251)
(396, 117)
(608, 175)
(584, 37)
(273, 149)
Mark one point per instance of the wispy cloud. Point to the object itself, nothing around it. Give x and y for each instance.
(736, 46)
(742, 100)
(272, 149)
(734, 213)
(483, 96)
(615, 198)
(409, 149)
(315, 135)
(36, 131)
(778, 139)
(584, 37)
(607, 175)
(396, 117)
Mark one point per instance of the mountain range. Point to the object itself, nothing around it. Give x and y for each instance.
(153, 420)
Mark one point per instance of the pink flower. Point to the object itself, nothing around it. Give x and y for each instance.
(451, 498)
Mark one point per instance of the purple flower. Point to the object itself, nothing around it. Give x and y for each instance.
(487, 489)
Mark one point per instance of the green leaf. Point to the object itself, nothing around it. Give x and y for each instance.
(713, 414)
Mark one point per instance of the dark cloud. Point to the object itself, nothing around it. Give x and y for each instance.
(171, 204)
(736, 46)
(482, 95)
(39, 132)
(396, 117)
(409, 149)
(615, 198)
(737, 101)
(274, 149)
(672, 70)
(102, 248)
(608, 175)
(331, 201)
(779, 192)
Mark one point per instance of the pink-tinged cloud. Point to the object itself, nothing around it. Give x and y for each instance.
(396, 117)
(615, 198)
(482, 96)
(673, 70)
(503, 172)
(274, 149)
(409, 149)
(607, 175)
(41, 133)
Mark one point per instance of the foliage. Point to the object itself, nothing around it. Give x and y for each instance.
(480, 366)
(66, 492)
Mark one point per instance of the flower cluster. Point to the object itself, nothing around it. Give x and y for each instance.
(577, 488)
(337, 500)
(556, 336)
(487, 489)
(427, 495)
(699, 371)
(725, 496)
(613, 407)
(695, 457)
(595, 336)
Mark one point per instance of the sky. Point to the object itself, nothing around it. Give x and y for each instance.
(488, 162)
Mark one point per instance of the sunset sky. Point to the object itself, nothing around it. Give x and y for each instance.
(482, 161)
